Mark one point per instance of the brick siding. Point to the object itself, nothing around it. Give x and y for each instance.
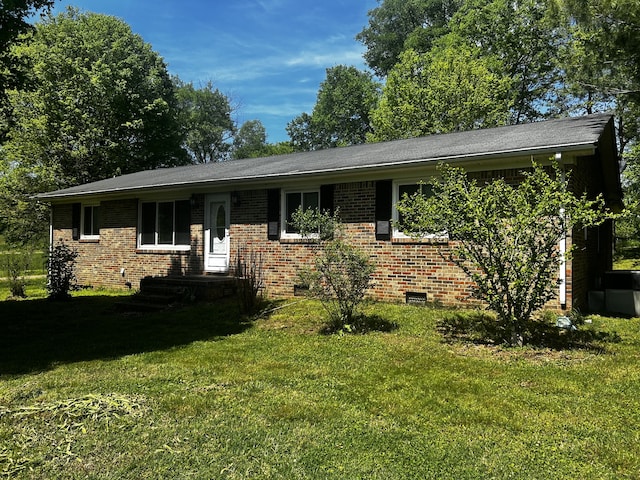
(401, 265)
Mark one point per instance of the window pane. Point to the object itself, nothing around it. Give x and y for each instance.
(310, 200)
(87, 223)
(294, 200)
(148, 224)
(221, 222)
(95, 224)
(408, 189)
(183, 222)
(165, 223)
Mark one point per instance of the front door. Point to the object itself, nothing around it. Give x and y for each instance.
(216, 233)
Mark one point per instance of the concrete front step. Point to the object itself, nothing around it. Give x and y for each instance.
(159, 293)
(190, 288)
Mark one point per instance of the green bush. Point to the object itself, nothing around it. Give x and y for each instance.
(61, 278)
(16, 264)
(341, 274)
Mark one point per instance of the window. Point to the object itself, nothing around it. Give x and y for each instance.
(409, 188)
(292, 201)
(165, 224)
(90, 222)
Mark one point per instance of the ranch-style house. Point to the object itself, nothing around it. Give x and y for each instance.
(193, 220)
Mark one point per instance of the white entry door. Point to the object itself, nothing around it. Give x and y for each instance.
(216, 233)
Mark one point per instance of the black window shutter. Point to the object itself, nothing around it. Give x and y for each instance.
(75, 220)
(326, 198)
(273, 214)
(384, 199)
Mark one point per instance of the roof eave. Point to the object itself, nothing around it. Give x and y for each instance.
(550, 150)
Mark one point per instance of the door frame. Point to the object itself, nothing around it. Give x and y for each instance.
(226, 199)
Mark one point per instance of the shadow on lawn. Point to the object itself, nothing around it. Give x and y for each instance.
(480, 328)
(360, 325)
(35, 335)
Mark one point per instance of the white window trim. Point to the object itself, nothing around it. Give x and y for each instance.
(398, 234)
(284, 235)
(84, 236)
(159, 247)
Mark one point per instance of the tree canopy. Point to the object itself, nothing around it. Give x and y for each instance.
(12, 25)
(341, 115)
(397, 25)
(250, 141)
(451, 88)
(100, 104)
(205, 115)
(563, 56)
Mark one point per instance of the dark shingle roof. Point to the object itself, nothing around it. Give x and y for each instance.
(541, 137)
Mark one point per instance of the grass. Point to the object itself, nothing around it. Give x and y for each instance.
(199, 392)
(627, 255)
(37, 259)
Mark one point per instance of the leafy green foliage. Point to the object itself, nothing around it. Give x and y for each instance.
(341, 274)
(205, 115)
(397, 25)
(280, 148)
(100, 104)
(23, 220)
(504, 238)
(341, 115)
(13, 24)
(527, 36)
(345, 100)
(301, 133)
(16, 265)
(61, 278)
(250, 141)
(316, 225)
(103, 103)
(449, 89)
(340, 280)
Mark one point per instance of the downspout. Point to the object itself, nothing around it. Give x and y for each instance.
(562, 274)
(50, 237)
(50, 228)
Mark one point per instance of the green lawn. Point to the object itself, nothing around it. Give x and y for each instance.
(87, 392)
(627, 256)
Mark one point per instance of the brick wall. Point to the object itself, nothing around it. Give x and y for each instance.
(593, 247)
(101, 262)
(402, 265)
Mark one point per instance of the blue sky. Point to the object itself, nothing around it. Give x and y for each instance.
(267, 56)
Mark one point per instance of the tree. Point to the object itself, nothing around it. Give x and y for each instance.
(12, 26)
(527, 36)
(345, 99)
(451, 88)
(101, 104)
(280, 148)
(601, 62)
(250, 141)
(302, 134)
(504, 238)
(601, 65)
(206, 117)
(341, 115)
(397, 25)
